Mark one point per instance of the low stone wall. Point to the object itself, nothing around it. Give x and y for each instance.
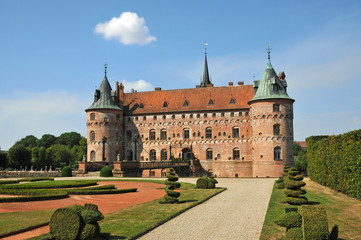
(23, 174)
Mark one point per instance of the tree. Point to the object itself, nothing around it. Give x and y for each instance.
(19, 156)
(35, 157)
(300, 156)
(3, 160)
(70, 138)
(28, 141)
(61, 155)
(46, 140)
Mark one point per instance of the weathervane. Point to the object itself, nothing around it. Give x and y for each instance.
(205, 48)
(269, 51)
(105, 66)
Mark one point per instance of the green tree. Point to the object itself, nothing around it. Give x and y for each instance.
(28, 141)
(62, 155)
(35, 157)
(42, 158)
(70, 138)
(46, 140)
(300, 157)
(19, 156)
(49, 157)
(3, 160)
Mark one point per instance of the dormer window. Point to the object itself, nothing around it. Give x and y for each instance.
(232, 101)
(275, 88)
(141, 106)
(210, 103)
(165, 105)
(185, 103)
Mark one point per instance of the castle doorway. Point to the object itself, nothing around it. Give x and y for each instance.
(186, 154)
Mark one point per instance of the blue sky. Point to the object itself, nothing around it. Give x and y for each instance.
(52, 55)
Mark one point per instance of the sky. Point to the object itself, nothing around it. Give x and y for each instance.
(52, 56)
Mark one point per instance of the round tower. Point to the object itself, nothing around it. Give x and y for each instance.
(271, 112)
(105, 124)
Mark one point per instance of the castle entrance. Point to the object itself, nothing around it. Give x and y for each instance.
(186, 153)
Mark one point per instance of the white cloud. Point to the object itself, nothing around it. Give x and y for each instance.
(139, 85)
(28, 113)
(128, 28)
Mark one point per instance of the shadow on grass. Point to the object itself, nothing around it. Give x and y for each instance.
(313, 203)
(106, 236)
(185, 201)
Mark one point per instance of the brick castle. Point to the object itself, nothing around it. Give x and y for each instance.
(230, 131)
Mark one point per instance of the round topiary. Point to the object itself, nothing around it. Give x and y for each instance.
(91, 216)
(106, 172)
(89, 231)
(66, 172)
(202, 182)
(65, 224)
(212, 182)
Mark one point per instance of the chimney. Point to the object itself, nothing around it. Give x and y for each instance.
(230, 84)
(157, 89)
(240, 83)
(132, 90)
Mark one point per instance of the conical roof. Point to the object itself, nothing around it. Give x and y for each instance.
(205, 80)
(270, 86)
(103, 97)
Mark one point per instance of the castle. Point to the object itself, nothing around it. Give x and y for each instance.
(230, 131)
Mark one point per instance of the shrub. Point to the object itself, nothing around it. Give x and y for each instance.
(293, 183)
(89, 231)
(66, 172)
(202, 182)
(212, 182)
(172, 196)
(8, 181)
(289, 220)
(314, 222)
(36, 179)
(32, 195)
(51, 184)
(106, 172)
(294, 234)
(91, 216)
(65, 224)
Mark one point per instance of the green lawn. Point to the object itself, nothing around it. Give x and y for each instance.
(341, 210)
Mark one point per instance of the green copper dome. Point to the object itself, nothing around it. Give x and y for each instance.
(104, 97)
(270, 86)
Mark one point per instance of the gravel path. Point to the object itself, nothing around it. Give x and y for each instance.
(237, 213)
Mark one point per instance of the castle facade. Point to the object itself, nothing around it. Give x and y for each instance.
(230, 131)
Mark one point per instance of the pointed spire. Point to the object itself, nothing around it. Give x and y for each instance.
(205, 80)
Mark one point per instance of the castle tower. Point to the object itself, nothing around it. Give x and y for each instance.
(105, 124)
(271, 112)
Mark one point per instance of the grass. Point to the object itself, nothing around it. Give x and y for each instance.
(341, 210)
(13, 221)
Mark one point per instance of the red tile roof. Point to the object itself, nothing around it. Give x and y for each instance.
(198, 99)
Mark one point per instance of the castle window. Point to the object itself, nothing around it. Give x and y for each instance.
(155, 117)
(235, 153)
(177, 134)
(247, 113)
(173, 116)
(198, 115)
(235, 132)
(92, 116)
(164, 117)
(222, 114)
(92, 136)
(141, 106)
(232, 101)
(152, 134)
(277, 153)
(129, 119)
(209, 154)
(163, 155)
(205, 115)
(209, 132)
(276, 107)
(163, 134)
(190, 115)
(232, 114)
(136, 118)
(183, 116)
(224, 133)
(240, 114)
(92, 156)
(276, 129)
(152, 155)
(129, 135)
(145, 118)
(165, 105)
(186, 133)
(173, 135)
(105, 119)
(199, 134)
(219, 134)
(129, 155)
(185, 103)
(214, 114)
(210, 103)
(194, 134)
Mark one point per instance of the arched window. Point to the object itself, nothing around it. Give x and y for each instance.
(129, 135)
(92, 116)
(276, 107)
(276, 129)
(277, 153)
(235, 132)
(92, 156)
(152, 155)
(92, 136)
(235, 153)
(129, 155)
(163, 155)
(209, 132)
(152, 134)
(163, 134)
(209, 154)
(186, 133)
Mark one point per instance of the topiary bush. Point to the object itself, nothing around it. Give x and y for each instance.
(314, 222)
(66, 172)
(202, 182)
(293, 183)
(212, 182)
(289, 220)
(294, 234)
(76, 222)
(172, 184)
(106, 172)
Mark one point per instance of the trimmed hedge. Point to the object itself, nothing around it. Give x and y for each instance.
(335, 162)
(289, 220)
(314, 222)
(66, 172)
(204, 182)
(96, 192)
(294, 234)
(53, 184)
(36, 179)
(8, 181)
(106, 172)
(32, 195)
